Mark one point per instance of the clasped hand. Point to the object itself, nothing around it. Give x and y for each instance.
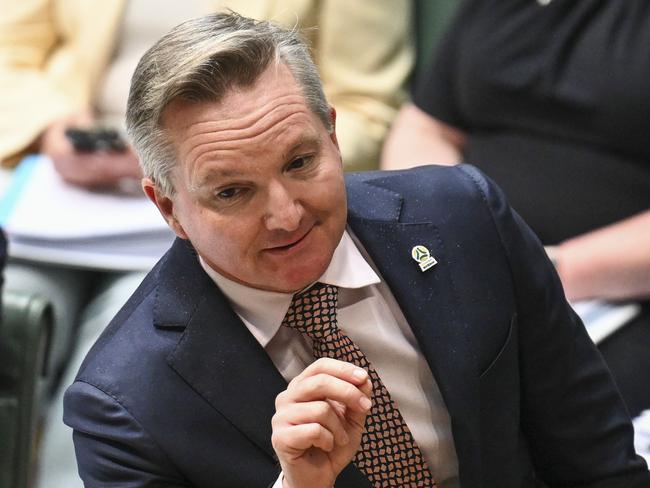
(319, 421)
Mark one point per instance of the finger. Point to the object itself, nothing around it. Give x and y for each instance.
(110, 167)
(366, 388)
(339, 369)
(295, 439)
(356, 420)
(320, 412)
(338, 407)
(324, 386)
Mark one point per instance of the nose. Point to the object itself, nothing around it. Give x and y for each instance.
(284, 211)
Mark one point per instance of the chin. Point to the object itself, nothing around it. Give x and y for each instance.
(299, 280)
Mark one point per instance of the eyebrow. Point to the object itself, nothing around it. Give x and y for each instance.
(214, 176)
(217, 174)
(221, 173)
(309, 140)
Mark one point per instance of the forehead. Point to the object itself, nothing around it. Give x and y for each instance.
(271, 113)
(275, 82)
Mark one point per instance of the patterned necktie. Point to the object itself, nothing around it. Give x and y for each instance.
(388, 454)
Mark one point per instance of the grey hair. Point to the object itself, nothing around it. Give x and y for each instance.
(200, 60)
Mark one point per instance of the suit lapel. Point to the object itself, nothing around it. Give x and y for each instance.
(216, 355)
(429, 302)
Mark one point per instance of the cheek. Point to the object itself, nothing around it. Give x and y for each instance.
(327, 194)
(335, 203)
(230, 241)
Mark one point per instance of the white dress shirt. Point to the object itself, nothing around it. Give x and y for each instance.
(369, 314)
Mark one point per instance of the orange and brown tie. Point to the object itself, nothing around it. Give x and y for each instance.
(388, 454)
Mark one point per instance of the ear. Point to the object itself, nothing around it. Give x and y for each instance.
(165, 206)
(333, 132)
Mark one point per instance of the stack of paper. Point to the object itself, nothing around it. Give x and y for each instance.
(48, 220)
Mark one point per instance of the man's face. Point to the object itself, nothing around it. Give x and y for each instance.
(260, 190)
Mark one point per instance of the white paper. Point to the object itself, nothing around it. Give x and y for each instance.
(49, 208)
(47, 220)
(603, 318)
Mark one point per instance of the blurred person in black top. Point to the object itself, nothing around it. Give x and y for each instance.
(550, 99)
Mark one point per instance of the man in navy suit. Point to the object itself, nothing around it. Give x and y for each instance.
(485, 376)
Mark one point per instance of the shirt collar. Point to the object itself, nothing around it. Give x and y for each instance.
(263, 311)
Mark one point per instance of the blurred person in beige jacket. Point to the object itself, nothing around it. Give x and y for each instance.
(54, 53)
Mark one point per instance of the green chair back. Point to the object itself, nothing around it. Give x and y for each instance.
(25, 330)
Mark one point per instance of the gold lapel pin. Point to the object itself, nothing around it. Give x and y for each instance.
(423, 257)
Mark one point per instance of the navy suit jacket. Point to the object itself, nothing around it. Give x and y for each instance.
(177, 392)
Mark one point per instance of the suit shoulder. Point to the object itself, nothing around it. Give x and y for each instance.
(424, 189)
(462, 178)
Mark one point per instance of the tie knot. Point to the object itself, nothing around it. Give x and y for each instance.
(313, 311)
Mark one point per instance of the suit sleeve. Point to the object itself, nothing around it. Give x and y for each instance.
(30, 99)
(52, 55)
(112, 448)
(364, 54)
(572, 415)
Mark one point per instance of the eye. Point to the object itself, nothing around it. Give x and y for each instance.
(300, 162)
(230, 197)
(228, 193)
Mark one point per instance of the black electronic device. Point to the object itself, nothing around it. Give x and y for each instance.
(95, 139)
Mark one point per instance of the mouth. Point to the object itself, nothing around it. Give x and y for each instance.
(293, 245)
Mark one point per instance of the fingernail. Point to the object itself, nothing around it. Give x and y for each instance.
(365, 403)
(360, 374)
